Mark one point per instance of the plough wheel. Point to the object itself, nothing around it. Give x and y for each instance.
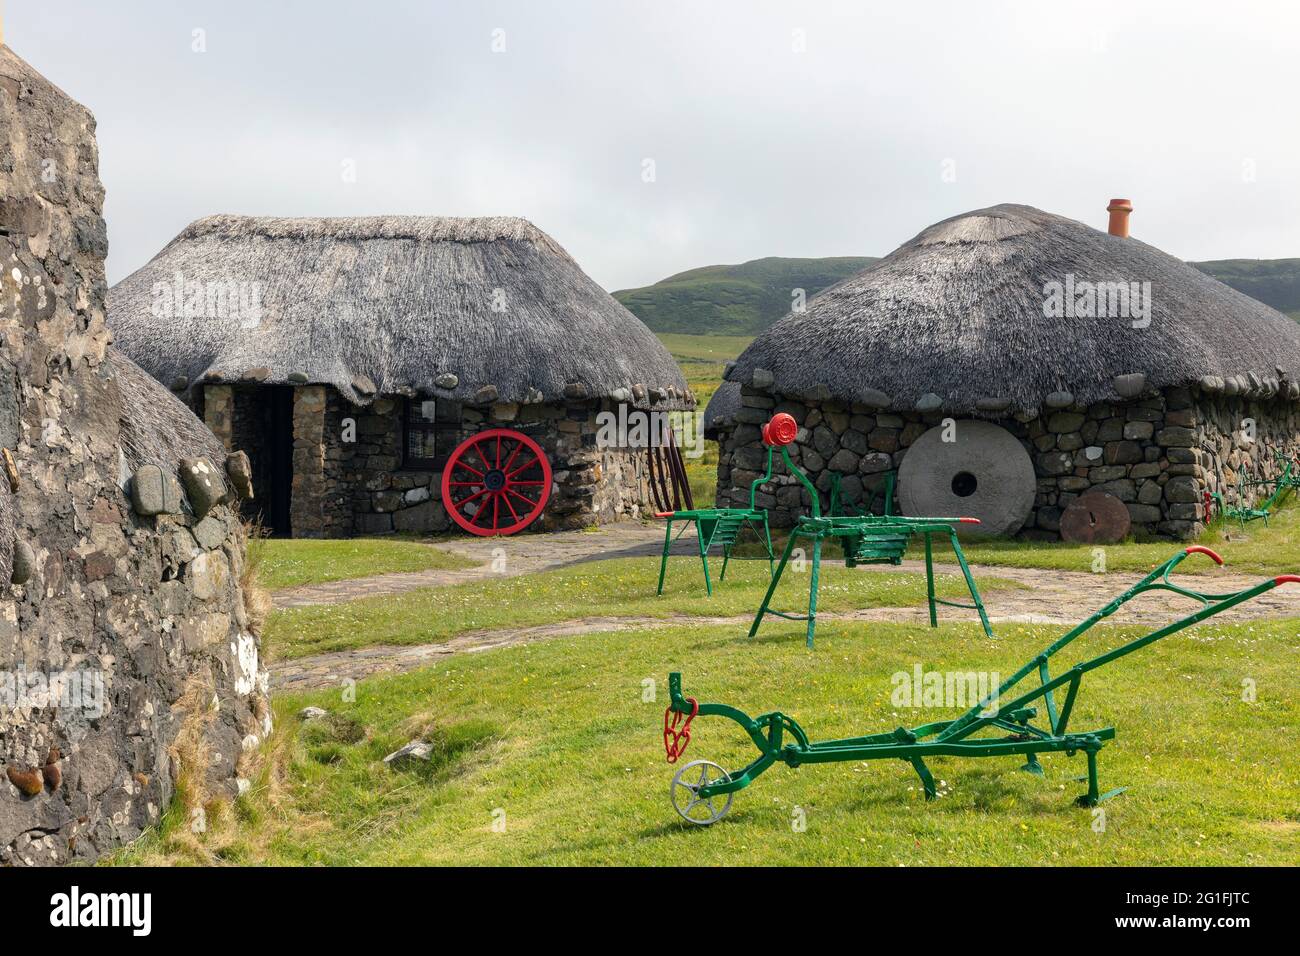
(496, 482)
(687, 781)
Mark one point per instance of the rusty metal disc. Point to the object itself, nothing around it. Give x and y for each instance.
(1096, 517)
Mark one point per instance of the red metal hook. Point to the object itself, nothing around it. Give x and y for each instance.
(1202, 549)
(677, 738)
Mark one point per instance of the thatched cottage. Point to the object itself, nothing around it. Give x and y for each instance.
(127, 641)
(1007, 360)
(350, 357)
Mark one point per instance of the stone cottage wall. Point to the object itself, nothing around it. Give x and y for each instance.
(592, 485)
(1157, 455)
(136, 610)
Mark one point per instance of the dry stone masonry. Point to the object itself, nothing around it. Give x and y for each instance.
(348, 474)
(1157, 453)
(125, 629)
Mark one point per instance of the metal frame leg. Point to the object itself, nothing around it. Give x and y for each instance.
(812, 588)
(663, 564)
(771, 587)
(970, 584)
(929, 580)
(704, 558)
(927, 779)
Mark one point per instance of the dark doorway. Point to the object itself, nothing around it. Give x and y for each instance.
(275, 413)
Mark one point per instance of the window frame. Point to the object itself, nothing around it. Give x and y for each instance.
(436, 463)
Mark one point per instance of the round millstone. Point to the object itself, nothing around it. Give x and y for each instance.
(983, 473)
(1096, 517)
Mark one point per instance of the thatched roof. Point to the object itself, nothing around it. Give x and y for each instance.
(720, 413)
(958, 312)
(157, 427)
(406, 304)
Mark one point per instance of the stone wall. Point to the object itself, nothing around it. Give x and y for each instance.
(1157, 454)
(358, 486)
(140, 617)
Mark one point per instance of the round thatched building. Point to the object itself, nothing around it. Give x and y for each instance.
(1089, 360)
(350, 357)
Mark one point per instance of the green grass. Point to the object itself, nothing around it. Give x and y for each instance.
(558, 737)
(624, 587)
(289, 562)
(1258, 550)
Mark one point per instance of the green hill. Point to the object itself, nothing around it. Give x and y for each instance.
(1274, 282)
(745, 299)
(734, 300)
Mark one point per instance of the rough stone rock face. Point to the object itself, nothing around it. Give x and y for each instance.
(129, 630)
(1158, 454)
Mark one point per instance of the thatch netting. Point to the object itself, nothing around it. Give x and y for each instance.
(959, 312)
(157, 427)
(411, 303)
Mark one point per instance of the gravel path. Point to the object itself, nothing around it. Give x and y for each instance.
(1060, 598)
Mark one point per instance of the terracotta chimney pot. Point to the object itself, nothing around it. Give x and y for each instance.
(1119, 210)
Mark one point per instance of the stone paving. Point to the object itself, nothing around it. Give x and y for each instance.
(1059, 598)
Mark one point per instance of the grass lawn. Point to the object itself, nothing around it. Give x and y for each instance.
(289, 562)
(1257, 550)
(623, 587)
(557, 745)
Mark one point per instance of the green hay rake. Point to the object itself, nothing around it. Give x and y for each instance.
(1242, 513)
(864, 539)
(702, 791)
(720, 528)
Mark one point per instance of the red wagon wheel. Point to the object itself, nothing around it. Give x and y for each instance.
(496, 482)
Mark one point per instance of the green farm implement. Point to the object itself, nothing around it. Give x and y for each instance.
(720, 528)
(1008, 723)
(1287, 480)
(864, 539)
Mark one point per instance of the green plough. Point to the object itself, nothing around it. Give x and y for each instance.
(1001, 725)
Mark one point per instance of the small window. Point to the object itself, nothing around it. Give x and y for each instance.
(425, 443)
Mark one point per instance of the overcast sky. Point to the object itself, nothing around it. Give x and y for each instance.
(789, 129)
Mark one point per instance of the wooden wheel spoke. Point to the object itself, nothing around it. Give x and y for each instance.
(519, 446)
(522, 468)
(508, 505)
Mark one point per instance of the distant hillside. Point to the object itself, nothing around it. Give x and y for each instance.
(734, 300)
(1274, 282)
(745, 299)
